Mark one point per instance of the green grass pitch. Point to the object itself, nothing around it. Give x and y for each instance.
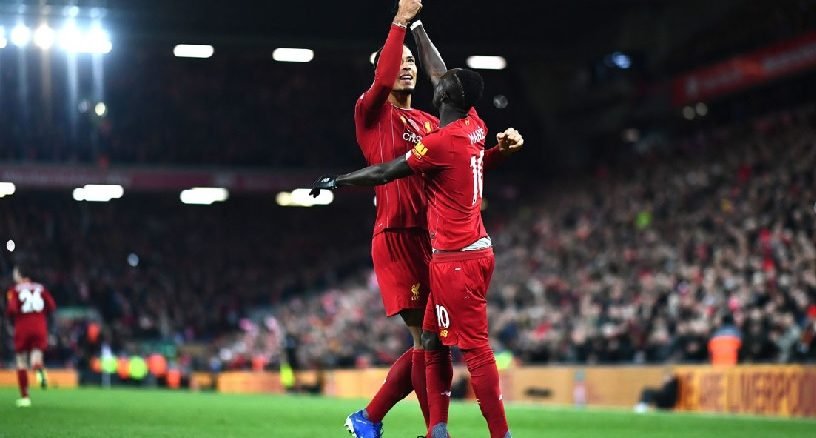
(119, 413)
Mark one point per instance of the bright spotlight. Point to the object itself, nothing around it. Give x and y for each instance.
(70, 39)
(204, 195)
(98, 192)
(284, 54)
(97, 40)
(44, 37)
(7, 188)
(701, 108)
(20, 35)
(301, 198)
(688, 113)
(11, 246)
(193, 51)
(72, 11)
(100, 109)
(487, 62)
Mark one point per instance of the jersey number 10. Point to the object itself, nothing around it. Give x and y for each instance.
(31, 301)
(476, 164)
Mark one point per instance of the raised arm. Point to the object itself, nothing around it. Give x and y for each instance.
(376, 175)
(388, 65)
(429, 57)
(508, 142)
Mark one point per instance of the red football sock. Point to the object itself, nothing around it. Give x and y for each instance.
(418, 381)
(397, 386)
(22, 382)
(438, 376)
(484, 377)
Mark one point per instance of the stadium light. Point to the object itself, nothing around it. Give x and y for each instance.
(301, 198)
(487, 62)
(204, 195)
(287, 54)
(44, 37)
(97, 40)
(688, 113)
(20, 35)
(620, 60)
(70, 39)
(98, 192)
(701, 108)
(100, 109)
(193, 51)
(11, 246)
(3, 40)
(7, 188)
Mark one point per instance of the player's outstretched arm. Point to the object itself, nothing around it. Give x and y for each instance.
(370, 176)
(429, 57)
(388, 66)
(508, 142)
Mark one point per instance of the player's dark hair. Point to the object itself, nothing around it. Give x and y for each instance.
(468, 88)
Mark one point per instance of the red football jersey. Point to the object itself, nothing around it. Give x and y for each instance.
(28, 304)
(452, 162)
(385, 132)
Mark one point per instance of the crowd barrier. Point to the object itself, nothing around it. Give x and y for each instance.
(57, 378)
(763, 390)
(783, 390)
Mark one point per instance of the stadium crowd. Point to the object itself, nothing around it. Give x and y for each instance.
(635, 265)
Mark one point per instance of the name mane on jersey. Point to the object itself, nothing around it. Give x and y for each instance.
(477, 136)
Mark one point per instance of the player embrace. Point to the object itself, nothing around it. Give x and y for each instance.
(28, 303)
(451, 162)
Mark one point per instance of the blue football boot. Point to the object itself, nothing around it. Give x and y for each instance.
(361, 427)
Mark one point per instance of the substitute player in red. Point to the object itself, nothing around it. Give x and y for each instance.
(28, 304)
(451, 161)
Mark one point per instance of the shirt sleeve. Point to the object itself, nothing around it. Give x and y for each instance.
(432, 153)
(492, 158)
(388, 66)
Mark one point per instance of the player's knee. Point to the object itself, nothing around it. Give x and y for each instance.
(431, 341)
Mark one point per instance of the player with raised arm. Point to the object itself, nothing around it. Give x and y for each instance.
(28, 303)
(451, 161)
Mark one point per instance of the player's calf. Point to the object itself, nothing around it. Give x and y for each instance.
(484, 375)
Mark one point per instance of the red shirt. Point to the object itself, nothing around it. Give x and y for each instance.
(452, 162)
(28, 304)
(385, 132)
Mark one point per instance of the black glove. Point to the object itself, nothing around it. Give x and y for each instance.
(325, 182)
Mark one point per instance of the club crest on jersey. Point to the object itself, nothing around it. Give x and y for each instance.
(415, 292)
(443, 333)
(428, 127)
(477, 136)
(419, 150)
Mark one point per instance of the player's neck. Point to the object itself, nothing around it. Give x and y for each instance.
(400, 99)
(449, 114)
